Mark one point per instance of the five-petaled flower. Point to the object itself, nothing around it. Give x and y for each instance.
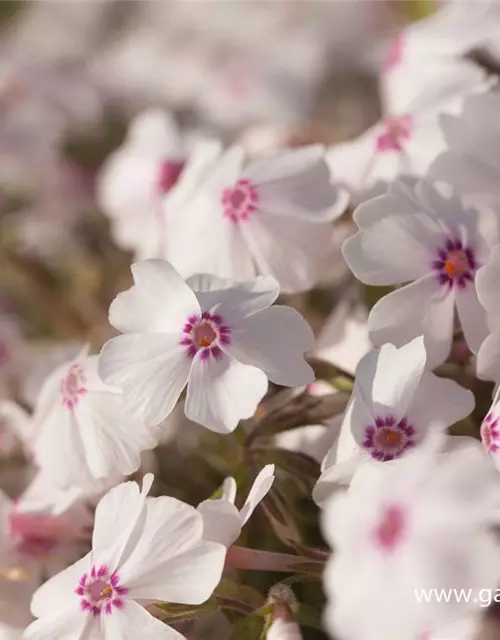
(142, 550)
(221, 338)
(269, 216)
(414, 234)
(395, 405)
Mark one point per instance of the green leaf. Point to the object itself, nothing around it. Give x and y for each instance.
(249, 628)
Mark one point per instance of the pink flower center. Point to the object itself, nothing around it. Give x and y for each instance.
(490, 433)
(206, 333)
(240, 201)
(391, 528)
(388, 439)
(169, 173)
(73, 386)
(100, 590)
(455, 263)
(394, 131)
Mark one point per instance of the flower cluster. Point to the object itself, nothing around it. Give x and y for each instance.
(275, 345)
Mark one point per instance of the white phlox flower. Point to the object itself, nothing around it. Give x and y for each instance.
(82, 432)
(135, 179)
(414, 234)
(268, 216)
(222, 521)
(143, 550)
(408, 137)
(470, 162)
(423, 522)
(221, 338)
(395, 405)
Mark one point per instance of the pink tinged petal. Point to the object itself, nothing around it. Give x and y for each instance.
(438, 403)
(289, 249)
(132, 621)
(297, 183)
(234, 301)
(275, 340)
(223, 392)
(170, 562)
(116, 518)
(221, 521)
(151, 369)
(260, 488)
(487, 279)
(159, 301)
(488, 358)
(472, 317)
(111, 439)
(395, 249)
(423, 307)
(388, 377)
(58, 593)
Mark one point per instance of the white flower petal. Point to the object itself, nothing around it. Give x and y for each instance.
(160, 300)
(223, 392)
(487, 279)
(170, 562)
(70, 624)
(423, 307)
(112, 440)
(154, 132)
(291, 250)
(297, 183)
(151, 369)
(275, 340)
(57, 595)
(229, 488)
(132, 621)
(202, 240)
(232, 300)
(438, 403)
(221, 521)
(336, 477)
(472, 317)
(260, 488)
(488, 358)
(387, 378)
(395, 249)
(116, 517)
(57, 448)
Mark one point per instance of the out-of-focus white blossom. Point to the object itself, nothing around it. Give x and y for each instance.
(423, 522)
(269, 217)
(82, 432)
(136, 178)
